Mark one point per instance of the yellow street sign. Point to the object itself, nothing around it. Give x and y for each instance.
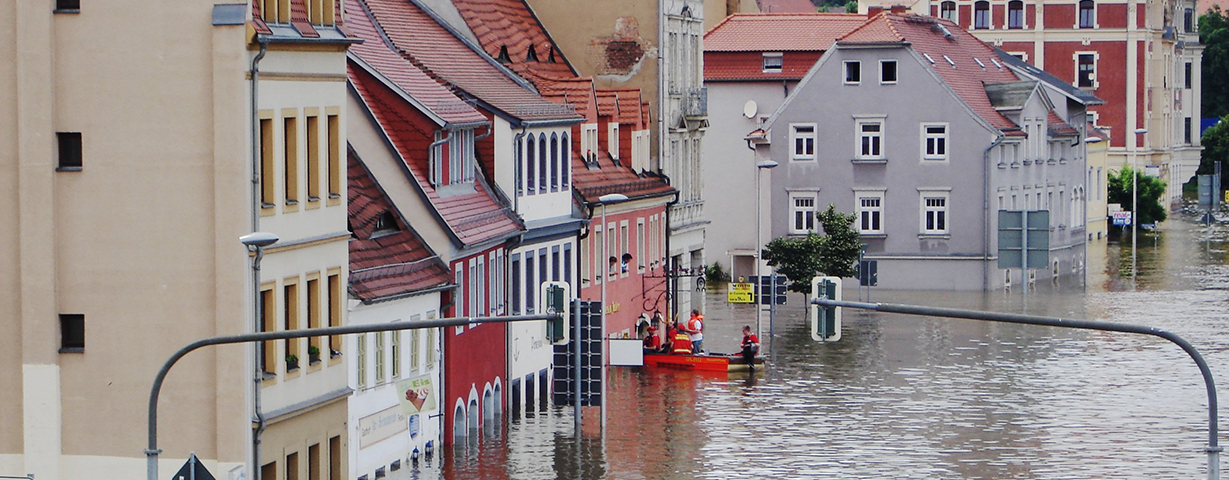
(741, 293)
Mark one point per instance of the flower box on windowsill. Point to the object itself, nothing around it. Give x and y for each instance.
(869, 161)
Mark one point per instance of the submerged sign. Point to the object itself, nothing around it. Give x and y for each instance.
(741, 293)
(416, 394)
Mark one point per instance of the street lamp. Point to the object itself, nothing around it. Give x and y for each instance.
(605, 273)
(256, 242)
(1134, 205)
(759, 250)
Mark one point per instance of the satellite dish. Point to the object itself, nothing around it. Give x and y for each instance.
(749, 109)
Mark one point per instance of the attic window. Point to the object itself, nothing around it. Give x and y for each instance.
(503, 55)
(552, 55)
(386, 224)
(532, 56)
(931, 60)
(773, 62)
(67, 6)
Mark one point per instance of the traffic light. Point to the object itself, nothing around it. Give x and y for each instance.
(825, 321)
(555, 296)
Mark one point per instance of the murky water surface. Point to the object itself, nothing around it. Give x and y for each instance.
(914, 397)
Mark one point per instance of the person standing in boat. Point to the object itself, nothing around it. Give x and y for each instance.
(695, 331)
(681, 344)
(751, 346)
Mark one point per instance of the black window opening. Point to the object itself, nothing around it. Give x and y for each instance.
(947, 10)
(67, 6)
(887, 71)
(1187, 73)
(1188, 21)
(981, 14)
(72, 333)
(70, 151)
(386, 223)
(773, 63)
(1086, 74)
(1186, 129)
(853, 72)
(1015, 14)
(516, 285)
(543, 165)
(1086, 14)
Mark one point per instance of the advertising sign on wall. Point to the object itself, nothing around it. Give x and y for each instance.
(416, 394)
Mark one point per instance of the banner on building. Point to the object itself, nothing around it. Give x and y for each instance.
(416, 394)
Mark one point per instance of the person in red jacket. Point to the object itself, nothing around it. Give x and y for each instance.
(652, 343)
(680, 343)
(751, 346)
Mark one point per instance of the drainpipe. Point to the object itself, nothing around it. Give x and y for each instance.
(257, 346)
(671, 282)
(430, 149)
(986, 212)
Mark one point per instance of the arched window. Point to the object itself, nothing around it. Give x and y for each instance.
(947, 10)
(473, 420)
(565, 152)
(520, 174)
(543, 165)
(981, 14)
(1086, 14)
(1015, 14)
(530, 164)
(554, 162)
(459, 430)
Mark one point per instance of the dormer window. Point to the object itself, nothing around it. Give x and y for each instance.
(532, 56)
(773, 62)
(386, 224)
(503, 55)
(452, 161)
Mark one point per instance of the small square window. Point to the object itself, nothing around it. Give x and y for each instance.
(887, 71)
(72, 333)
(773, 62)
(853, 72)
(70, 151)
(67, 6)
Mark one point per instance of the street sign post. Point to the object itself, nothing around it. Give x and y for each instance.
(193, 469)
(825, 321)
(741, 292)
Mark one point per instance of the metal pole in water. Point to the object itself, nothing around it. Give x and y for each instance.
(1213, 449)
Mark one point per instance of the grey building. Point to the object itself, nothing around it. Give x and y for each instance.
(924, 132)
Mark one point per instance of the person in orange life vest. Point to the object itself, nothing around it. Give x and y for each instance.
(652, 343)
(751, 345)
(695, 331)
(681, 344)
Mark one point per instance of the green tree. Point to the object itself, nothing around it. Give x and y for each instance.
(1214, 35)
(1151, 189)
(1215, 149)
(800, 259)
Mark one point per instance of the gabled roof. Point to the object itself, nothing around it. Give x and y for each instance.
(376, 57)
(437, 50)
(1025, 69)
(962, 61)
(606, 177)
(629, 106)
(510, 27)
(471, 217)
(577, 92)
(607, 103)
(764, 32)
(385, 265)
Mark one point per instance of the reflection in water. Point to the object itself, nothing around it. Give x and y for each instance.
(919, 397)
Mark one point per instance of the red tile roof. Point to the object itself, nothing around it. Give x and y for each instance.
(386, 265)
(748, 66)
(776, 32)
(605, 178)
(1058, 127)
(473, 217)
(425, 42)
(381, 61)
(927, 36)
(629, 106)
(512, 26)
(577, 92)
(607, 103)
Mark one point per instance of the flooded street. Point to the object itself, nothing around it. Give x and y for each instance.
(914, 397)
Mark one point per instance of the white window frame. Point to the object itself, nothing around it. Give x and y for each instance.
(612, 140)
(945, 139)
(845, 72)
(859, 123)
(780, 62)
(641, 256)
(955, 18)
(1095, 23)
(1096, 68)
(795, 209)
(860, 209)
(924, 210)
(794, 136)
(888, 82)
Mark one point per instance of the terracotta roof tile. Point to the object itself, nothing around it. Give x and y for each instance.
(299, 20)
(1058, 127)
(420, 38)
(941, 41)
(375, 52)
(473, 217)
(629, 106)
(386, 264)
(607, 103)
(606, 177)
(577, 92)
(744, 32)
(511, 26)
(733, 66)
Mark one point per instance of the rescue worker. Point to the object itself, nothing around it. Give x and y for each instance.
(751, 346)
(652, 343)
(695, 331)
(681, 344)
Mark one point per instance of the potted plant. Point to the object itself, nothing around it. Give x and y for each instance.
(313, 354)
(292, 362)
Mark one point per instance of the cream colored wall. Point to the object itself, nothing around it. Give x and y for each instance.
(1096, 188)
(10, 245)
(296, 434)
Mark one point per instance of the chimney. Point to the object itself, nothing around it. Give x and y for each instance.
(873, 10)
(898, 9)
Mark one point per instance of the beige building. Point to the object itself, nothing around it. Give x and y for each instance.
(128, 173)
(1098, 169)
